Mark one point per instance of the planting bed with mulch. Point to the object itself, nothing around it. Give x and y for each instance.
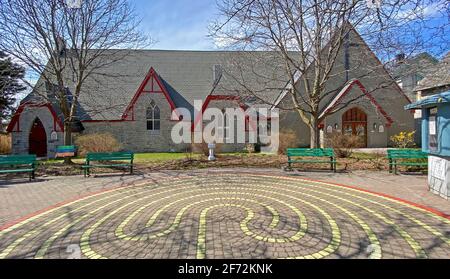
(357, 162)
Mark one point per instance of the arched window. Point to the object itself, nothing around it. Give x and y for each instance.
(153, 117)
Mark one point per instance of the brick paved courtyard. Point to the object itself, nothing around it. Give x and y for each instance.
(209, 214)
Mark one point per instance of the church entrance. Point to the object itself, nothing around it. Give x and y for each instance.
(38, 139)
(354, 122)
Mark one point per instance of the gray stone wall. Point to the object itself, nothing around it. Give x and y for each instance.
(224, 104)
(134, 136)
(291, 121)
(20, 140)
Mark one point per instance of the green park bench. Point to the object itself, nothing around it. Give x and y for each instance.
(316, 155)
(406, 157)
(108, 160)
(66, 151)
(18, 164)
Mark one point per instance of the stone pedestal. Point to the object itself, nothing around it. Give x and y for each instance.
(439, 175)
(211, 148)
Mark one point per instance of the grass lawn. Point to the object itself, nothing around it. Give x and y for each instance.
(138, 158)
(161, 157)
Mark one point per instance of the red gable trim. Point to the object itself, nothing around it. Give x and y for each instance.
(15, 120)
(368, 95)
(104, 121)
(151, 77)
(399, 89)
(217, 98)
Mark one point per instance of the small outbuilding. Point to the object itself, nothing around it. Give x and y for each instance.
(436, 140)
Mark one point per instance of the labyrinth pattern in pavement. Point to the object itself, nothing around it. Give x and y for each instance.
(231, 216)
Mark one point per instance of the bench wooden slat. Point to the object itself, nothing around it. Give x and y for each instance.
(311, 153)
(18, 164)
(66, 151)
(108, 158)
(16, 170)
(327, 152)
(400, 157)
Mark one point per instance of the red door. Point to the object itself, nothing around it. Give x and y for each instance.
(38, 139)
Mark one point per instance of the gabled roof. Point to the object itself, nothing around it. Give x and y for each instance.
(151, 84)
(418, 64)
(345, 90)
(186, 76)
(363, 45)
(439, 75)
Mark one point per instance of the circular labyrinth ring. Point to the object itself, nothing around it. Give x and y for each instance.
(231, 216)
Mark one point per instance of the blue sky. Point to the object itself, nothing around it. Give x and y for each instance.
(177, 24)
(183, 24)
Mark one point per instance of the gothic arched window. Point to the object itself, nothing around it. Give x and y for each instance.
(153, 117)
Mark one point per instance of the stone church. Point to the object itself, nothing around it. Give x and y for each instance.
(133, 99)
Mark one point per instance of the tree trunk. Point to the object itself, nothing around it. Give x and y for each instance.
(315, 134)
(67, 140)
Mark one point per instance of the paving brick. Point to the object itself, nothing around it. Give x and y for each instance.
(214, 214)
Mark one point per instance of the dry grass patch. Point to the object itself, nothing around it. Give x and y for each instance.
(5, 144)
(97, 143)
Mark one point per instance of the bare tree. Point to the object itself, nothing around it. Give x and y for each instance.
(66, 42)
(310, 35)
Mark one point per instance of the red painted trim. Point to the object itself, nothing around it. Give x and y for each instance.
(368, 95)
(429, 209)
(151, 76)
(16, 117)
(399, 89)
(107, 121)
(15, 120)
(217, 98)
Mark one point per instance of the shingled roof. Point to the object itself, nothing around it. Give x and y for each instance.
(187, 76)
(419, 64)
(439, 75)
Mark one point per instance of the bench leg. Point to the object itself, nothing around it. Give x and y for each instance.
(131, 169)
(395, 169)
(87, 172)
(289, 167)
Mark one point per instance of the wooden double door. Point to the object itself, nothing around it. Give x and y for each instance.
(354, 122)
